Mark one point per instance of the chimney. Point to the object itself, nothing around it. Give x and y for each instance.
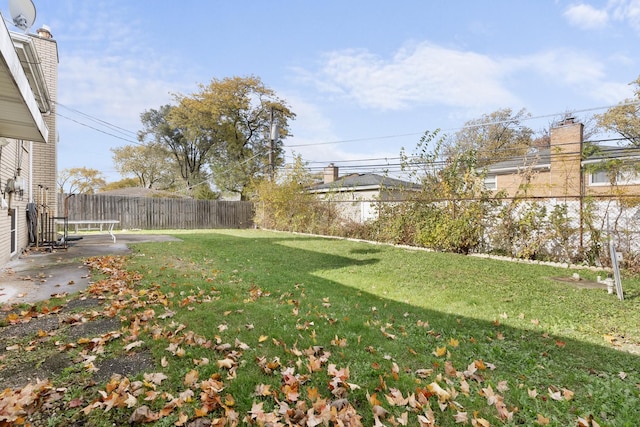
(44, 32)
(330, 174)
(568, 120)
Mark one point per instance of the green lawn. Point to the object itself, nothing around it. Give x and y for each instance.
(272, 327)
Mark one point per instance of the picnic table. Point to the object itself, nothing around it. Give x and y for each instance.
(91, 224)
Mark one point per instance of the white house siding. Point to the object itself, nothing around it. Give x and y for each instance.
(36, 160)
(620, 223)
(10, 160)
(356, 206)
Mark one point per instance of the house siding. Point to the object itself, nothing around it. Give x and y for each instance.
(14, 156)
(563, 177)
(34, 162)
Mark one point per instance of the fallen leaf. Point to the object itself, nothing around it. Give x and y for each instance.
(502, 386)
(481, 422)
(440, 351)
(263, 390)
(191, 378)
(75, 403)
(133, 345)
(442, 394)
(461, 417)
(555, 394)
(543, 421)
(182, 419)
(155, 378)
(567, 394)
(143, 414)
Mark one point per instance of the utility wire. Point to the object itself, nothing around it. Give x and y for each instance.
(125, 135)
(98, 120)
(99, 130)
(475, 125)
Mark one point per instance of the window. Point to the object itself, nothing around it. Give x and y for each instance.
(491, 182)
(599, 178)
(623, 178)
(628, 178)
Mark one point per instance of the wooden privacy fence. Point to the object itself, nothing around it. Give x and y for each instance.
(150, 213)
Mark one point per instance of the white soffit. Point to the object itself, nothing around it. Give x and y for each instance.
(20, 116)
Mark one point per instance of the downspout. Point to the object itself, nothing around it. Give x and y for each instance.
(581, 201)
(30, 171)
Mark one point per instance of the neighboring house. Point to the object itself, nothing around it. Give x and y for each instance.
(356, 195)
(28, 84)
(560, 172)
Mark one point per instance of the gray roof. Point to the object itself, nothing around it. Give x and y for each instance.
(542, 158)
(611, 153)
(364, 181)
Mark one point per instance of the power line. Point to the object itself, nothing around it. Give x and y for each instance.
(98, 120)
(99, 130)
(397, 166)
(476, 125)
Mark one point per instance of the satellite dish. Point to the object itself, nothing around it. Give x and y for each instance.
(23, 13)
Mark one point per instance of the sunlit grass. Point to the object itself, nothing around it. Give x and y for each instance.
(375, 307)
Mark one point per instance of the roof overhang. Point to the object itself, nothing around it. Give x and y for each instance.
(20, 114)
(345, 189)
(634, 158)
(518, 169)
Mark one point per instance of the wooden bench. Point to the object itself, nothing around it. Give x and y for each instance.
(86, 224)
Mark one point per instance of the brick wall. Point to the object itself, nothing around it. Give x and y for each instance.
(45, 162)
(566, 153)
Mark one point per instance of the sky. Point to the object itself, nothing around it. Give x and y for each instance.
(365, 78)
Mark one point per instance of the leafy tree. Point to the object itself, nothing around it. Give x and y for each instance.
(151, 164)
(493, 137)
(228, 123)
(624, 119)
(123, 183)
(187, 147)
(80, 180)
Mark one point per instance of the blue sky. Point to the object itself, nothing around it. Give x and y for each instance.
(365, 78)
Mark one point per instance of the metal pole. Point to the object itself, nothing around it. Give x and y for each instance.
(272, 136)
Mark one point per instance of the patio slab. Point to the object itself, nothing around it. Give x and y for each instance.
(38, 275)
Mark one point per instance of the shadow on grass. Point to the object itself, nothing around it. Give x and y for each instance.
(605, 380)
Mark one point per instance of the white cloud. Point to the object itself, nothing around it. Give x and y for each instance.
(112, 87)
(309, 118)
(427, 74)
(627, 11)
(586, 16)
(424, 74)
(314, 138)
(612, 92)
(564, 66)
(576, 71)
(109, 69)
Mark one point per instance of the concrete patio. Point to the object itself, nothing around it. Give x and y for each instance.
(38, 274)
